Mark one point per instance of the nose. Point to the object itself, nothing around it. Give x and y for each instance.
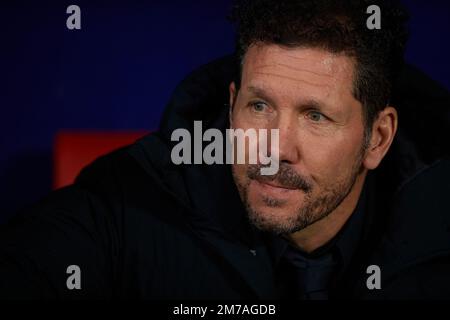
(289, 151)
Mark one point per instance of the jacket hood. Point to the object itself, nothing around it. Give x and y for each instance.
(216, 207)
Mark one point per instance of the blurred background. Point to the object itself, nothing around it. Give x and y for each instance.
(117, 73)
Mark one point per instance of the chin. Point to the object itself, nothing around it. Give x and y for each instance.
(279, 220)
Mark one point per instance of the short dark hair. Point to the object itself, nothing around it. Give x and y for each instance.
(339, 26)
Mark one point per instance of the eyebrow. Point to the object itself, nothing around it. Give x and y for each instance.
(260, 92)
(309, 103)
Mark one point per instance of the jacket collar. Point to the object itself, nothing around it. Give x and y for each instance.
(213, 211)
(345, 243)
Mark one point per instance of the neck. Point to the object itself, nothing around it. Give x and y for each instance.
(322, 231)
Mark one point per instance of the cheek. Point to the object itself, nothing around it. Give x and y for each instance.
(331, 158)
(240, 173)
(249, 147)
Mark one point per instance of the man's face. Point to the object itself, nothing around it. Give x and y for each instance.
(306, 93)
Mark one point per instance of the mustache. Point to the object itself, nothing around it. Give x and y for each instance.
(285, 177)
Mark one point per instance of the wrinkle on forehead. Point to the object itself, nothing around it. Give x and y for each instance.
(309, 66)
(285, 65)
(296, 79)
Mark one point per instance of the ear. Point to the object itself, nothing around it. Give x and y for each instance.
(383, 132)
(232, 90)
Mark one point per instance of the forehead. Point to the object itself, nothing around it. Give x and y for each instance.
(309, 70)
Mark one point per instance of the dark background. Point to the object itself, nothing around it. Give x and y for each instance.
(119, 70)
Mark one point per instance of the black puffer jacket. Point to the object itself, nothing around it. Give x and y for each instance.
(139, 226)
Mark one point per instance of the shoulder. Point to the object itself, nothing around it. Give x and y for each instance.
(133, 186)
(414, 253)
(421, 209)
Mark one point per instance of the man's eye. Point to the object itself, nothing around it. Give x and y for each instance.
(316, 116)
(259, 106)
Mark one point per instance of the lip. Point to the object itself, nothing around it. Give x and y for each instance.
(274, 185)
(272, 189)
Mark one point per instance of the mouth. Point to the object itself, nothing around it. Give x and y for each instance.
(273, 189)
(275, 185)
